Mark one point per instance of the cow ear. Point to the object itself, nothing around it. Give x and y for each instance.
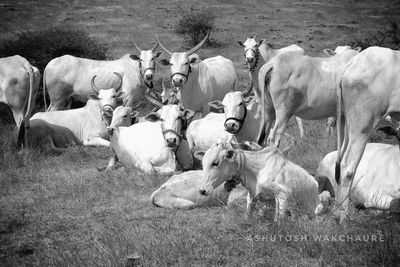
(188, 114)
(358, 49)
(164, 62)
(134, 114)
(240, 43)
(230, 155)
(328, 52)
(216, 104)
(153, 116)
(158, 54)
(120, 94)
(93, 97)
(193, 60)
(199, 155)
(261, 41)
(134, 57)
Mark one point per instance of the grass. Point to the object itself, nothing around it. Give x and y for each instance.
(60, 210)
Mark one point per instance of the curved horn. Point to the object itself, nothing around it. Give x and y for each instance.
(94, 87)
(137, 47)
(154, 101)
(120, 81)
(155, 47)
(198, 46)
(137, 105)
(165, 49)
(247, 91)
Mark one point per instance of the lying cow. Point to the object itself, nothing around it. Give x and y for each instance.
(152, 146)
(88, 124)
(265, 174)
(376, 182)
(181, 191)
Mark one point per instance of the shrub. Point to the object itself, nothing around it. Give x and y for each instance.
(389, 38)
(196, 24)
(39, 47)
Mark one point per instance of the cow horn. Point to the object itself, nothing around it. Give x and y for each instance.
(155, 47)
(154, 101)
(166, 50)
(120, 81)
(198, 46)
(94, 87)
(137, 105)
(247, 91)
(137, 47)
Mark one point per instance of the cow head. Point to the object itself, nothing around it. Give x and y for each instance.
(173, 119)
(234, 106)
(251, 52)
(180, 62)
(220, 162)
(107, 101)
(146, 62)
(122, 116)
(341, 50)
(169, 95)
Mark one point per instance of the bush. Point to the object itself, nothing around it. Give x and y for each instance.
(39, 47)
(389, 38)
(196, 24)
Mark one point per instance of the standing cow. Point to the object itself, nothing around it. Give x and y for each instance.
(200, 81)
(70, 76)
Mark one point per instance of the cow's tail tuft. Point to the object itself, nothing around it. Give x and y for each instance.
(21, 136)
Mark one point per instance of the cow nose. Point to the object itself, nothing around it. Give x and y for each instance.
(249, 59)
(231, 127)
(110, 130)
(202, 192)
(177, 81)
(149, 76)
(171, 142)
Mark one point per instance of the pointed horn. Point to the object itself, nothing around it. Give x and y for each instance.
(165, 49)
(247, 91)
(137, 47)
(94, 87)
(198, 46)
(120, 81)
(163, 85)
(155, 47)
(154, 101)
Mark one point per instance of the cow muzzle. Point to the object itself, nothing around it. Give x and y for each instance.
(232, 126)
(172, 142)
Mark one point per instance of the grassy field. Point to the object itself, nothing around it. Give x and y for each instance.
(60, 210)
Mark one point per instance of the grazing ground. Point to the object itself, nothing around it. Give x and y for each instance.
(60, 210)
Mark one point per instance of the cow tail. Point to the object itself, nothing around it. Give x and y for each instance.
(264, 78)
(339, 103)
(44, 90)
(21, 136)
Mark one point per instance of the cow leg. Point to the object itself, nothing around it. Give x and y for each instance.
(112, 163)
(96, 141)
(282, 118)
(181, 203)
(250, 205)
(269, 119)
(359, 130)
(300, 124)
(280, 206)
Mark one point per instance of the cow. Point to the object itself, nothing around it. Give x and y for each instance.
(152, 146)
(200, 81)
(256, 55)
(70, 76)
(369, 89)
(89, 123)
(240, 118)
(295, 84)
(181, 191)
(19, 84)
(376, 183)
(265, 174)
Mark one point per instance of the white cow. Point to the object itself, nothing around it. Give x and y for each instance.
(70, 76)
(181, 191)
(151, 146)
(370, 90)
(199, 82)
(295, 84)
(240, 118)
(376, 183)
(88, 124)
(19, 84)
(265, 174)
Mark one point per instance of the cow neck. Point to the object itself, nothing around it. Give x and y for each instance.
(250, 123)
(188, 92)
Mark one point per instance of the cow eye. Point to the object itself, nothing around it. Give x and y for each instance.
(215, 163)
(125, 116)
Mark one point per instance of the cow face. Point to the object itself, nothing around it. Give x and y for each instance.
(173, 119)
(341, 50)
(147, 64)
(219, 164)
(122, 116)
(107, 102)
(235, 111)
(250, 47)
(180, 67)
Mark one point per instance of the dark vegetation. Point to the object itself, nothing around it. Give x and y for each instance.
(195, 25)
(389, 38)
(39, 47)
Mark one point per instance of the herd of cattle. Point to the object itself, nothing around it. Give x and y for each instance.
(245, 143)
